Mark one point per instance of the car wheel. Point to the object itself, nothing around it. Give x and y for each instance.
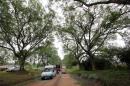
(42, 78)
(51, 77)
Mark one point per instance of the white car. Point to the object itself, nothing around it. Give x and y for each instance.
(13, 69)
(48, 73)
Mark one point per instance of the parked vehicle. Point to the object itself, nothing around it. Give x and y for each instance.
(13, 69)
(48, 73)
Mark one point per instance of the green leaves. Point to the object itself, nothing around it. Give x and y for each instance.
(50, 53)
(70, 60)
(110, 19)
(24, 25)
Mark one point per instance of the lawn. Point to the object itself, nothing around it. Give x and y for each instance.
(12, 78)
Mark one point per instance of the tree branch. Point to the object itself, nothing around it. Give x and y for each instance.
(6, 47)
(124, 2)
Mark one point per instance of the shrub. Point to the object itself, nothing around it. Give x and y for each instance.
(100, 64)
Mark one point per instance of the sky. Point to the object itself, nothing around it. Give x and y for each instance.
(117, 42)
(59, 46)
(57, 42)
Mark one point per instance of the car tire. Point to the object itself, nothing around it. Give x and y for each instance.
(51, 77)
(42, 78)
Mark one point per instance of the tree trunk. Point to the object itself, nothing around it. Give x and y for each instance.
(93, 64)
(92, 61)
(128, 66)
(79, 64)
(21, 63)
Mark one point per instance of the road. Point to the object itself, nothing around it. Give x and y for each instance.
(59, 80)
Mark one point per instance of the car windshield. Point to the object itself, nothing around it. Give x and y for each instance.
(48, 69)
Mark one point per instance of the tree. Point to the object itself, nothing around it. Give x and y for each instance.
(120, 2)
(23, 26)
(124, 53)
(69, 60)
(124, 56)
(48, 54)
(3, 56)
(71, 48)
(89, 29)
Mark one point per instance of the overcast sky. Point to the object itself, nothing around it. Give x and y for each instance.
(57, 42)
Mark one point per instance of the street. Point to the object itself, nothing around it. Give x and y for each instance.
(59, 80)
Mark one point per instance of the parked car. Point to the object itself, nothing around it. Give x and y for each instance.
(13, 69)
(48, 73)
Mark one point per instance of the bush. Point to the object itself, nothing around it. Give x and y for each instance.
(100, 64)
(124, 56)
(3, 69)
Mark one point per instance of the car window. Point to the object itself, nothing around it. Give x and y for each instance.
(48, 69)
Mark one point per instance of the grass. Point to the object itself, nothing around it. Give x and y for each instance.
(108, 77)
(12, 78)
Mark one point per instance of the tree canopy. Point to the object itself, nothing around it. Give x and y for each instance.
(23, 26)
